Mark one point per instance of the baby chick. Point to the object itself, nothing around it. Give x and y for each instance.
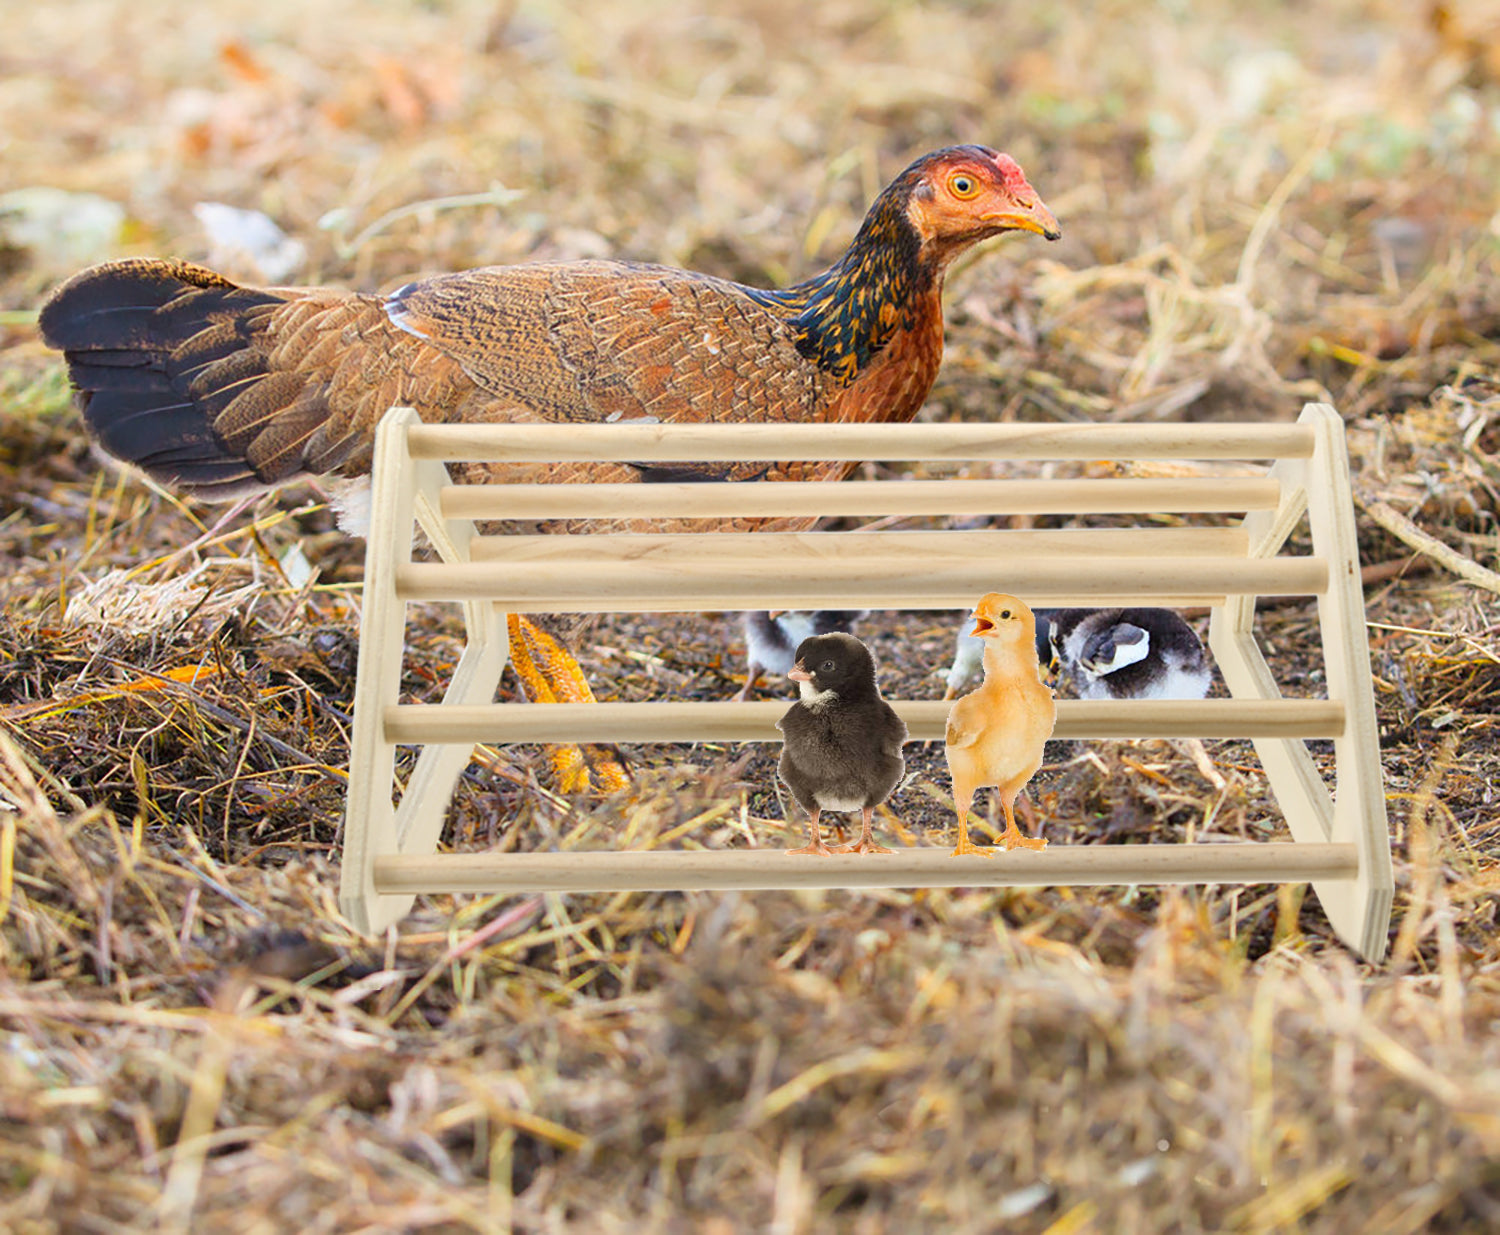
(996, 734)
(1134, 654)
(842, 742)
(968, 651)
(1129, 654)
(771, 638)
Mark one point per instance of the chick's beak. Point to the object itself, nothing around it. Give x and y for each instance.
(982, 626)
(1027, 216)
(798, 674)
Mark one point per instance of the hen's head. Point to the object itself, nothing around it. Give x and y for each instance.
(1005, 619)
(964, 194)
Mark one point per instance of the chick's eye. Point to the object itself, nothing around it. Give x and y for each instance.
(828, 666)
(962, 185)
(1005, 615)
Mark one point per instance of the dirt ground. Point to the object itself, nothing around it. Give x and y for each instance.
(1261, 205)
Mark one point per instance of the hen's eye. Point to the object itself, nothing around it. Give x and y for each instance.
(963, 186)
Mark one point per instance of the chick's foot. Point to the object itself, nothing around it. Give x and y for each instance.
(816, 846)
(815, 843)
(966, 847)
(866, 842)
(1014, 838)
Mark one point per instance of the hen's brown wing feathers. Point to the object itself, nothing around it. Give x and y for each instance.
(340, 363)
(592, 341)
(295, 380)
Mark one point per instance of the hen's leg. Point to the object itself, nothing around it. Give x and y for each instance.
(549, 674)
(865, 843)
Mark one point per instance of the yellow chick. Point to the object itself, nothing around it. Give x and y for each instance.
(996, 733)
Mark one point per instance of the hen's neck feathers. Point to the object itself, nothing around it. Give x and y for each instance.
(847, 314)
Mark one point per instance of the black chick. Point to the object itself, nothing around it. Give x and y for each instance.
(1129, 654)
(842, 742)
(771, 638)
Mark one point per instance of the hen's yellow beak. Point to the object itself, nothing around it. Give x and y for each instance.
(1027, 217)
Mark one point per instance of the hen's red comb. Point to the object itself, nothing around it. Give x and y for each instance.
(1011, 175)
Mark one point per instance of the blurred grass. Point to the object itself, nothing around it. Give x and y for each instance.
(1260, 204)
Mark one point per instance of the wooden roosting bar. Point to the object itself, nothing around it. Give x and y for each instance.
(1341, 843)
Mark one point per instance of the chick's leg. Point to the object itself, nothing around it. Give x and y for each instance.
(963, 795)
(1205, 765)
(549, 674)
(752, 676)
(865, 843)
(815, 843)
(1013, 837)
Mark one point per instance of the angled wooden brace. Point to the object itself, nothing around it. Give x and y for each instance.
(405, 490)
(1319, 488)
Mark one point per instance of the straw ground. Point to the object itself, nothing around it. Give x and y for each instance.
(1259, 207)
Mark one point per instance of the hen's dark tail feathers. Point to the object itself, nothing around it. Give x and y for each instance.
(157, 350)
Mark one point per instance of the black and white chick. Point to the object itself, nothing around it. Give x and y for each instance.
(772, 638)
(841, 748)
(968, 652)
(1128, 654)
(1134, 654)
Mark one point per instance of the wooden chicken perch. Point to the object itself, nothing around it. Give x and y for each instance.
(1341, 843)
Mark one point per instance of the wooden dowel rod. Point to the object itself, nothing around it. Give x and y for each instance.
(683, 721)
(661, 443)
(925, 867)
(890, 551)
(645, 586)
(960, 595)
(860, 498)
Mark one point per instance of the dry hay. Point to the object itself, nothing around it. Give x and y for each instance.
(190, 1038)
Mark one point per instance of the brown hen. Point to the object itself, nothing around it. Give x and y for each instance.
(217, 390)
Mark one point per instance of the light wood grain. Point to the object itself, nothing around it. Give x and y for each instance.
(668, 443)
(835, 582)
(891, 552)
(685, 721)
(1359, 814)
(1341, 842)
(925, 867)
(861, 498)
(370, 817)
